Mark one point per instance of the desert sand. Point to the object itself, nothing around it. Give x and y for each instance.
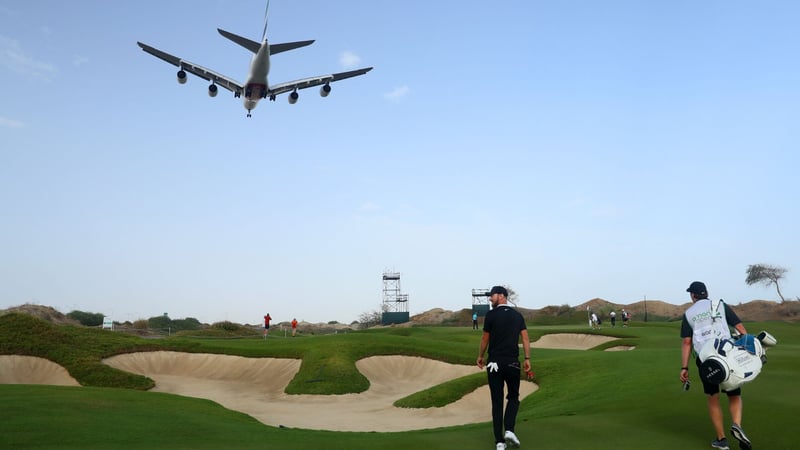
(255, 386)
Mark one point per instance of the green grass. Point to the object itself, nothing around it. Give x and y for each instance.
(443, 394)
(587, 399)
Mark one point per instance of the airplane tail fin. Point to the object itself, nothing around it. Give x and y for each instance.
(266, 19)
(251, 45)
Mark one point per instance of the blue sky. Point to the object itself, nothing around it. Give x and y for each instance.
(570, 149)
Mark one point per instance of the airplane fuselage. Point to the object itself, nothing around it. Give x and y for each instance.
(256, 86)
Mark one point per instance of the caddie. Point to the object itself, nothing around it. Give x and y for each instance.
(706, 320)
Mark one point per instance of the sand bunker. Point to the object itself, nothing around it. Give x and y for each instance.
(16, 369)
(571, 341)
(255, 387)
(621, 348)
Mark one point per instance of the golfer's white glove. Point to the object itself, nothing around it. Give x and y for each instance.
(492, 366)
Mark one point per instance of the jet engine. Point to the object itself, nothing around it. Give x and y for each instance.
(212, 90)
(325, 90)
(181, 77)
(293, 97)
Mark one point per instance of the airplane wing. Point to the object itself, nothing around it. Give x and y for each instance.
(206, 74)
(281, 88)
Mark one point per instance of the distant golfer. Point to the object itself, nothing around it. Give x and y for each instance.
(474, 321)
(613, 316)
(626, 316)
(267, 318)
(703, 321)
(294, 327)
(502, 328)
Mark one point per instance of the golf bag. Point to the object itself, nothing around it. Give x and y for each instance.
(733, 362)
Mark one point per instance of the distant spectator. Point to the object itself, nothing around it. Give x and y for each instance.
(267, 318)
(613, 316)
(474, 321)
(626, 316)
(294, 327)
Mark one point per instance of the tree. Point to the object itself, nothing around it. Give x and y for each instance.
(370, 318)
(767, 275)
(159, 322)
(189, 323)
(87, 319)
(513, 297)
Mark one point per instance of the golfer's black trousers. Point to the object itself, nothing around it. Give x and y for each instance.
(508, 374)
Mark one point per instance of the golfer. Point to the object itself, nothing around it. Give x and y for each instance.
(703, 321)
(502, 328)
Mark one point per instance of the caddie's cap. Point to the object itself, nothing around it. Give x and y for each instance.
(697, 288)
(498, 290)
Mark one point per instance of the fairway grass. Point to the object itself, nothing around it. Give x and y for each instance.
(587, 399)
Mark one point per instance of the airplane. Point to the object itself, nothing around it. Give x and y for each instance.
(256, 87)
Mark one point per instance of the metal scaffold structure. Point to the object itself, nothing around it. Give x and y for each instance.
(480, 301)
(395, 303)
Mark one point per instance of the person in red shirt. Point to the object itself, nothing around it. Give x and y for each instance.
(267, 318)
(294, 327)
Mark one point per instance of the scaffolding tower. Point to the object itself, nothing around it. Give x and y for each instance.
(480, 301)
(395, 303)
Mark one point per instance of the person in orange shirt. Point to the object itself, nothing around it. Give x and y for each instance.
(294, 327)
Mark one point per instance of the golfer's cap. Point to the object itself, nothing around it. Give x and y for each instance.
(498, 290)
(697, 288)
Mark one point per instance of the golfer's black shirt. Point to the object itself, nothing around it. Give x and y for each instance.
(504, 325)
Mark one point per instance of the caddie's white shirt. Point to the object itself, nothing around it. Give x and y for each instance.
(708, 321)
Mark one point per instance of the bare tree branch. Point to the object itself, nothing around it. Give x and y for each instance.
(767, 275)
(513, 297)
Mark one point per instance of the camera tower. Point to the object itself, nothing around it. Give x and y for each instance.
(480, 301)
(395, 303)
